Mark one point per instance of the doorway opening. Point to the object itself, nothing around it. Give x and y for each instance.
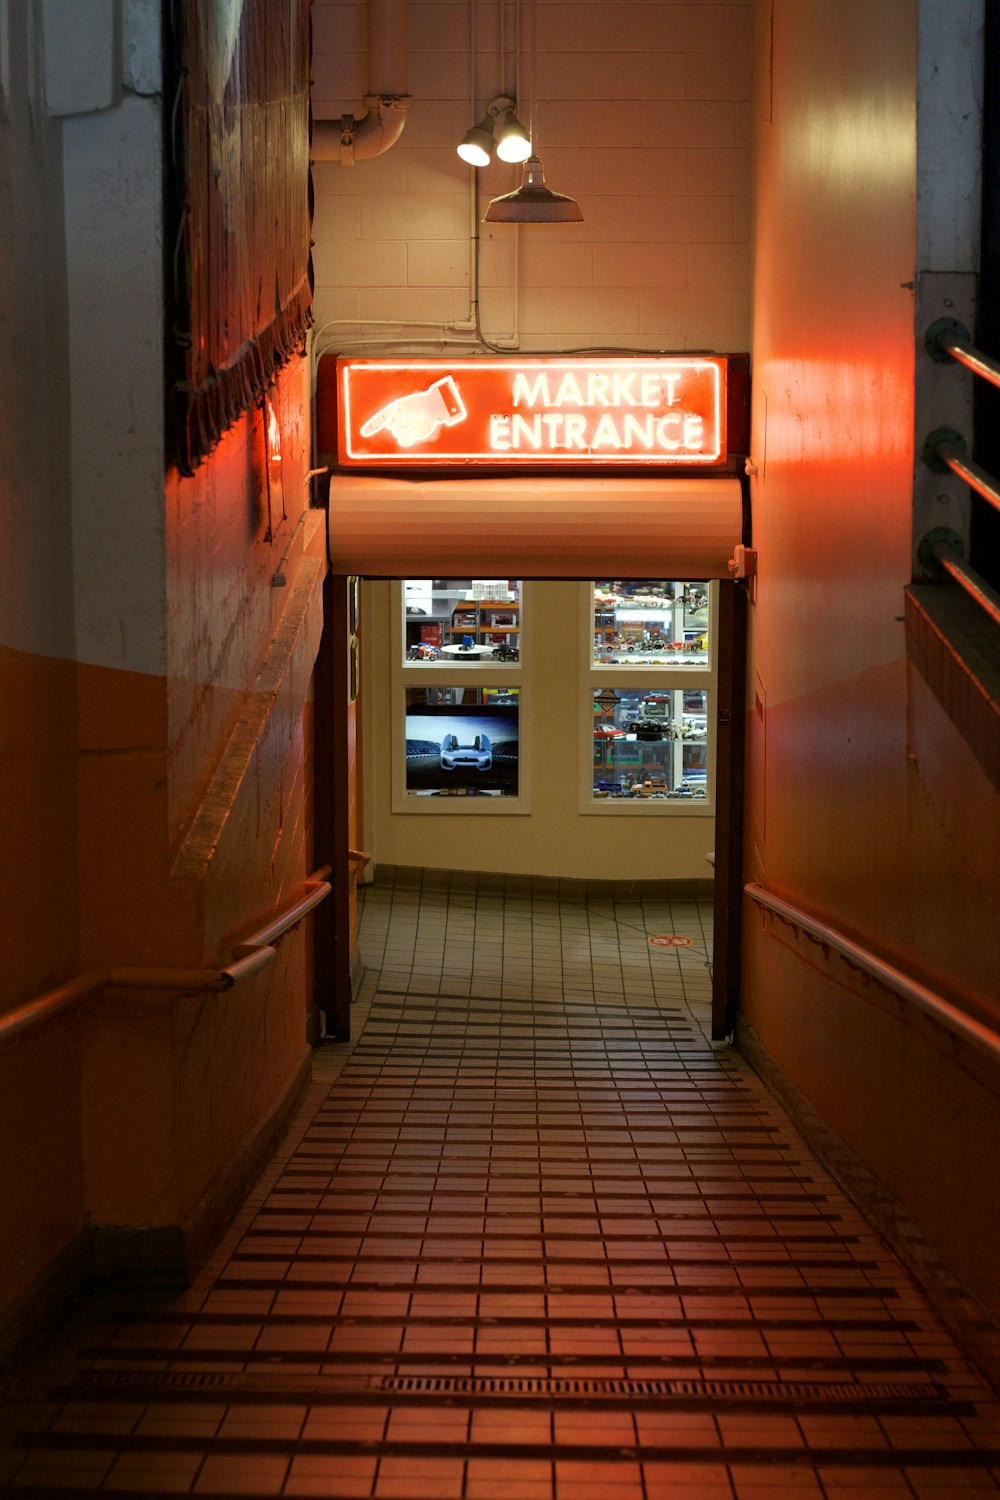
(576, 738)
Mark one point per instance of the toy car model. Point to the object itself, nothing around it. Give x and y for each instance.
(423, 651)
(505, 652)
(477, 757)
(652, 729)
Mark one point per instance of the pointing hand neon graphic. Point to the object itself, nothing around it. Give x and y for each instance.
(415, 418)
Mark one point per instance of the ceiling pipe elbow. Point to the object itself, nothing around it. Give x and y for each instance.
(349, 140)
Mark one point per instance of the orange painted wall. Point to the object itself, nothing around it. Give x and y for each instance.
(864, 806)
(41, 1192)
(176, 1084)
(155, 797)
(41, 1196)
(158, 820)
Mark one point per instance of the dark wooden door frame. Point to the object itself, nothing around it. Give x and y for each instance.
(730, 738)
(332, 791)
(729, 753)
(331, 690)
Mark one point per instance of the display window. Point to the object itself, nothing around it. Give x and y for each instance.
(651, 744)
(651, 623)
(462, 741)
(650, 696)
(461, 621)
(460, 731)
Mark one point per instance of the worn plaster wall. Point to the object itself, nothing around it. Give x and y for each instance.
(642, 114)
(854, 808)
(40, 1168)
(157, 636)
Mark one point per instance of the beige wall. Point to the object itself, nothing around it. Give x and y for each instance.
(641, 842)
(644, 118)
(853, 812)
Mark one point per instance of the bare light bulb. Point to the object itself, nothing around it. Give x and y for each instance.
(477, 145)
(512, 140)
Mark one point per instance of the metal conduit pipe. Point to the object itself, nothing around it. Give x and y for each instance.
(251, 955)
(349, 139)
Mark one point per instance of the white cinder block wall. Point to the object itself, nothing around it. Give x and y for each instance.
(642, 114)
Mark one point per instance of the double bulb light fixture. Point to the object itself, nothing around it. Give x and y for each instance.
(499, 131)
(533, 202)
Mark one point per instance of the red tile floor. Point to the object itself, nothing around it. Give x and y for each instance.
(532, 1236)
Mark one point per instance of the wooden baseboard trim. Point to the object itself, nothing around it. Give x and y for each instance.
(415, 877)
(170, 1255)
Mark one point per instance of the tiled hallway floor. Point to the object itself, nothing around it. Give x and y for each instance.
(532, 1237)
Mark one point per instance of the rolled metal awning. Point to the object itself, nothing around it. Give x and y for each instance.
(382, 527)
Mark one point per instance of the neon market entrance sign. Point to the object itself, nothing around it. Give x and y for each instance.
(532, 412)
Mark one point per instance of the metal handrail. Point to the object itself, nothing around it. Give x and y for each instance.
(968, 579)
(941, 551)
(932, 1004)
(265, 936)
(946, 450)
(949, 338)
(251, 955)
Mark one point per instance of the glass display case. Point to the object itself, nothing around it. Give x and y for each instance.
(462, 742)
(651, 743)
(651, 622)
(650, 698)
(461, 621)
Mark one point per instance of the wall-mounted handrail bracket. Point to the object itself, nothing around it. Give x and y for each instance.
(942, 336)
(948, 339)
(937, 545)
(940, 445)
(941, 554)
(945, 450)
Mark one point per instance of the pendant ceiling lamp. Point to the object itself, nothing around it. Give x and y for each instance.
(533, 202)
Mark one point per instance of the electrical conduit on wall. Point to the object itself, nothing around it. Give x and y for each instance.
(349, 140)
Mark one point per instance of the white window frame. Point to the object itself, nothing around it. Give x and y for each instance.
(447, 673)
(594, 677)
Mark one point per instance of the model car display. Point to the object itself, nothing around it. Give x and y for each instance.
(651, 729)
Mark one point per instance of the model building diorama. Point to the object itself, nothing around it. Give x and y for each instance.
(467, 621)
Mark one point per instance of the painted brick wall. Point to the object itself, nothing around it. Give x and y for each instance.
(642, 115)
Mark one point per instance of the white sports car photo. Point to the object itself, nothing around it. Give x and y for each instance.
(478, 756)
